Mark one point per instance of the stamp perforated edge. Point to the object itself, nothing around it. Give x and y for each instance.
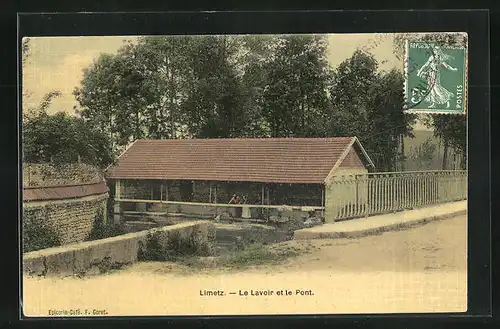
(432, 111)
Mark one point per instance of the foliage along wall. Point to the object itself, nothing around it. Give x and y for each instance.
(60, 222)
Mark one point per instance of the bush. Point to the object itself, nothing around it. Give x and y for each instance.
(175, 248)
(110, 202)
(64, 139)
(152, 250)
(102, 229)
(37, 234)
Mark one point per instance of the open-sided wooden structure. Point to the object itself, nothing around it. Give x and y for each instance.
(205, 173)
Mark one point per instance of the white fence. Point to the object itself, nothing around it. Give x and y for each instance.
(376, 193)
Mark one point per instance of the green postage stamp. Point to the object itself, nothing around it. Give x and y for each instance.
(435, 78)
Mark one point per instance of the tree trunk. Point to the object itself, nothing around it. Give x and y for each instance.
(111, 137)
(170, 76)
(137, 124)
(464, 160)
(445, 154)
(303, 123)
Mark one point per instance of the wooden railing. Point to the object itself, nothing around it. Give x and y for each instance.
(376, 193)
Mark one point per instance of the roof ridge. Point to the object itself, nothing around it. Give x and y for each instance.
(252, 139)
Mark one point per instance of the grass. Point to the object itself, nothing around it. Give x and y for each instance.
(252, 255)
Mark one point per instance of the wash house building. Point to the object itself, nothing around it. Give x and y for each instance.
(200, 176)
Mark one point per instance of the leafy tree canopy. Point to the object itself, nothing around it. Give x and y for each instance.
(243, 86)
(61, 138)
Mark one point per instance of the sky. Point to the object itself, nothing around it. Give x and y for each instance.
(57, 63)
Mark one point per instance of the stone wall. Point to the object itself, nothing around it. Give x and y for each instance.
(71, 219)
(101, 255)
(45, 174)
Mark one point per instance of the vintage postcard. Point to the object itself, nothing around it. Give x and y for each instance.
(244, 174)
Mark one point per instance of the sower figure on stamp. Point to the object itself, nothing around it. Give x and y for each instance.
(431, 71)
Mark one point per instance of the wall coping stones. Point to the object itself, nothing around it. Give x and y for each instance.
(82, 258)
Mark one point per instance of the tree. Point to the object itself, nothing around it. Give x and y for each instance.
(61, 139)
(424, 154)
(254, 60)
(351, 87)
(110, 97)
(452, 129)
(369, 104)
(25, 49)
(127, 95)
(99, 102)
(214, 107)
(295, 97)
(163, 63)
(389, 123)
(169, 87)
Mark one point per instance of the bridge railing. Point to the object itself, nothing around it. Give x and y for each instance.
(377, 193)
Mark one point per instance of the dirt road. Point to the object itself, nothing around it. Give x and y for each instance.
(417, 270)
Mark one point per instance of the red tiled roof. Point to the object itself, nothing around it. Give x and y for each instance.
(353, 160)
(276, 160)
(45, 193)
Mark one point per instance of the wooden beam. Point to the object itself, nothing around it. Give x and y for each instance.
(263, 196)
(218, 204)
(166, 190)
(323, 200)
(118, 194)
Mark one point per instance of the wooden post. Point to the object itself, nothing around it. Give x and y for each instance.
(323, 200)
(151, 188)
(267, 209)
(264, 211)
(210, 193)
(118, 189)
(215, 193)
(193, 190)
(263, 196)
(117, 210)
(161, 191)
(166, 190)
